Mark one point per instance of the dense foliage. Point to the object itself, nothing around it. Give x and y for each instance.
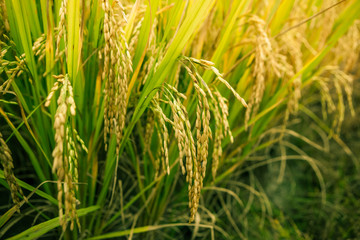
(166, 119)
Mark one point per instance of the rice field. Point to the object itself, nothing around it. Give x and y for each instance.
(193, 119)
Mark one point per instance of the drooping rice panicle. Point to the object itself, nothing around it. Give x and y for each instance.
(61, 27)
(65, 163)
(117, 66)
(8, 165)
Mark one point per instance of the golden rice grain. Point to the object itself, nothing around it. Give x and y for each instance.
(117, 66)
(149, 129)
(135, 37)
(206, 102)
(61, 27)
(163, 136)
(4, 16)
(64, 154)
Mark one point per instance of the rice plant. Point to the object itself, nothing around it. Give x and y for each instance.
(137, 118)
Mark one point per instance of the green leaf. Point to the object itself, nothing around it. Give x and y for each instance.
(146, 229)
(33, 189)
(42, 228)
(281, 16)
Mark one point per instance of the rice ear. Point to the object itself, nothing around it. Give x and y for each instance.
(65, 164)
(8, 165)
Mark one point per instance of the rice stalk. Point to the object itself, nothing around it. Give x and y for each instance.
(61, 27)
(348, 48)
(13, 69)
(65, 163)
(39, 47)
(264, 62)
(117, 66)
(176, 111)
(7, 164)
(203, 130)
(163, 135)
(4, 18)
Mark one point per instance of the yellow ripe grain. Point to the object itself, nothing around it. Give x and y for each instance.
(65, 160)
(61, 28)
